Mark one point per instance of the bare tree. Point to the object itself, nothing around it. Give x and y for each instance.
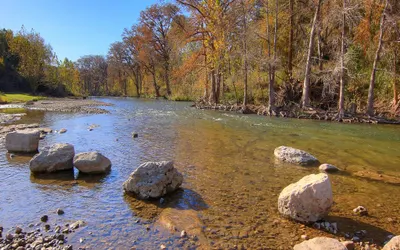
(305, 99)
(370, 105)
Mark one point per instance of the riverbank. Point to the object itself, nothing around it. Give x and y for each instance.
(62, 105)
(296, 112)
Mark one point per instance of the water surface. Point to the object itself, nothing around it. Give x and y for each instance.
(231, 177)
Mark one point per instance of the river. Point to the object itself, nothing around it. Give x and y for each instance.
(231, 177)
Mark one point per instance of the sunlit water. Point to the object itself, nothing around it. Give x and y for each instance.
(231, 177)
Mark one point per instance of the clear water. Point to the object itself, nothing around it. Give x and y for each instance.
(231, 177)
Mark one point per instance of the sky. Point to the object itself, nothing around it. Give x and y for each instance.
(73, 27)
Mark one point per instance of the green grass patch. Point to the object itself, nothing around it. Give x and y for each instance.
(15, 98)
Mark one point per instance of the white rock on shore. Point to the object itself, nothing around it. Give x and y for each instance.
(294, 156)
(320, 243)
(153, 180)
(23, 141)
(393, 244)
(92, 163)
(54, 158)
(307, 200)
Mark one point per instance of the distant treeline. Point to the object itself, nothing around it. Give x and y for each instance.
(326, 54)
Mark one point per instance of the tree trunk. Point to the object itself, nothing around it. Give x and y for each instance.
(290, 53)
(305, 99)
(166, 76)
(244, 53)
(320, 54)
(213, 87)
(342, 73)
(370, 105)
(395, 80)
(271, 74)
(156, 88)
(271, 106)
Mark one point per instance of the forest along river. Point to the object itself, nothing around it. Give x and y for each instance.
(231, 177)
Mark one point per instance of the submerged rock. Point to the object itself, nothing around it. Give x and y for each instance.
(307, 200)
(54, 158)
(23, 141)
(320, 243)
(92, 163)
(62, 131)
(153, 180)
(294, 156)
(328, 168)
(393, 244)
(186, 223)
(77, 224)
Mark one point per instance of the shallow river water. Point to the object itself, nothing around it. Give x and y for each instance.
(232, 180)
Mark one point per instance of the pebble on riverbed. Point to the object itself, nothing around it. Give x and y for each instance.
(44, 218)
(33, 240)
(60, 211)
(360, 210)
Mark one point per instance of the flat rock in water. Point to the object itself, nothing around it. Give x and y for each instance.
(393, 244)
(320, 243)
(307, 200)
(186, 222)
(153, 180)
(92, 163)
(294, 156)
(328, 168)
(23, 141)
(54, 158)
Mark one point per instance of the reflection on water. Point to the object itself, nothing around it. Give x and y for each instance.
(231, 177)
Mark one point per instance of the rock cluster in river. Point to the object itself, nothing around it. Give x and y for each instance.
(307, 200)
(294, 156)
(92, 163)
(54, 158)
(153, 180)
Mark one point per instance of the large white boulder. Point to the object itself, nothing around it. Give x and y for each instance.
(92, 163)
(320, 243)
(153, 180)
(393, 244)
(23, 141)
(307, 200)
(54, 158)
(294, 156)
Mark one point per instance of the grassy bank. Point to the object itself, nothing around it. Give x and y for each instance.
(16, 98)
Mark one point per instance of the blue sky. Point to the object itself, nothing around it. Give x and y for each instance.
(73, 27)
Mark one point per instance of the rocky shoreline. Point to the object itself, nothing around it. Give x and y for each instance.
(62, 105)
(39, 236)
(297, 112)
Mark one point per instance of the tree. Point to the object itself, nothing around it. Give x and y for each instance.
(305, 100)
(370, 105)
(342, 67)
(158, 19)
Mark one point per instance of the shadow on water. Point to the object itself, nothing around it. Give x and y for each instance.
(19, 158)
(67, 179)
(91, 178)
(181, 199)
(350, 226)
